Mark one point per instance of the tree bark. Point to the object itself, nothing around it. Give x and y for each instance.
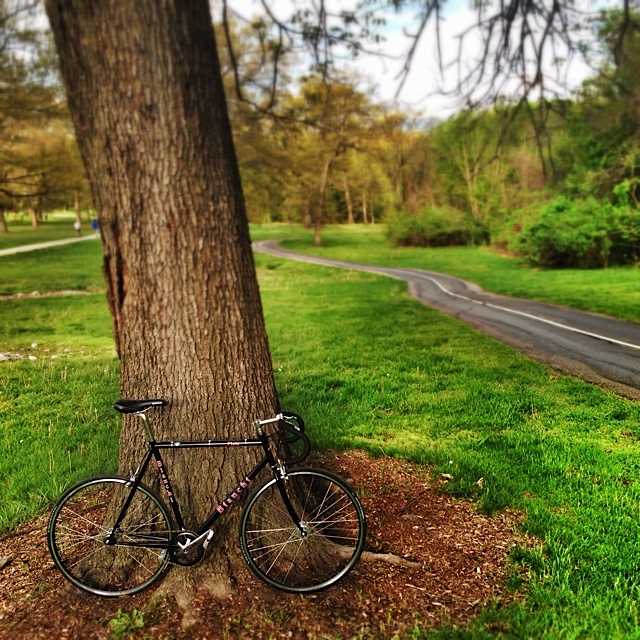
(146, 96)
(347, 197)
(3, 223)
(365, 218)
(35, 223)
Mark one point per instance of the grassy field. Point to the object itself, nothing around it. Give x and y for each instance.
(368, 367)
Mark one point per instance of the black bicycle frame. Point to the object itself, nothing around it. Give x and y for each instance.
(154, 452)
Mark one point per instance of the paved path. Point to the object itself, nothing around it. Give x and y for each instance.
(593, 347)
(44, 245)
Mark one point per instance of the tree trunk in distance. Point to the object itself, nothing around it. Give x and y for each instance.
(3, 223)
(322, 187)
(35, 223)
(146, 96)
(76, 202)
(347, 197)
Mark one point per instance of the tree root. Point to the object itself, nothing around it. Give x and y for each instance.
(390, 558)
(212, 579)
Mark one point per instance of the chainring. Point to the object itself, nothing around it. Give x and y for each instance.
(189, 557)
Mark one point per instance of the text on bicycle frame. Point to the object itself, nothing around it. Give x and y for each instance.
(229, 500)
(165, 481)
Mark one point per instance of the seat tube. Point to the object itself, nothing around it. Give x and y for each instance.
(166, 483)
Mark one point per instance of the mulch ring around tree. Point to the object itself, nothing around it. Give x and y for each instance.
(431, 560)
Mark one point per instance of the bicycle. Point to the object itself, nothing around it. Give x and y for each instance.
(301, 530)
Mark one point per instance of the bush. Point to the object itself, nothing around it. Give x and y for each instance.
(584, 234)
(433, 227)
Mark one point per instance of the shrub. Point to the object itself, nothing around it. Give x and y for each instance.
(584, 234)
(433, 227)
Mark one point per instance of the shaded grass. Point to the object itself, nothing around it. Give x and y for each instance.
(612, 291)
(58, 325)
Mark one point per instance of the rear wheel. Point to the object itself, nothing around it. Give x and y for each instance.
(95, 557)
(328, 546)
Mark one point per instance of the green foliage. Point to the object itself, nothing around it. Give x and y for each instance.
(583, 234)
(123, 624)
(433, 227)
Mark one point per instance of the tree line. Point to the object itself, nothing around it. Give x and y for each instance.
(40, 167)
(559, 189)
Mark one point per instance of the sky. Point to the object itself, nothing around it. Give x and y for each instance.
(420, 91)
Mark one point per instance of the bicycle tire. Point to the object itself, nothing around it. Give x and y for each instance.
(80, 523)
(332, 517)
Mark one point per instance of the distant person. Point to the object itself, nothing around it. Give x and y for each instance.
(94, 225)
(78, 227)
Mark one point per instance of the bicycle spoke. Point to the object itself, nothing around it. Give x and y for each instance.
(79, 546)
(314, 553)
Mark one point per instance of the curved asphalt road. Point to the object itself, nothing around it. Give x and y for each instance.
(593, 347)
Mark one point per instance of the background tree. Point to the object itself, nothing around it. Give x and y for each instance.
(29, 100)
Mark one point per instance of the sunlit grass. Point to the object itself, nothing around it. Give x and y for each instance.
(372, 369)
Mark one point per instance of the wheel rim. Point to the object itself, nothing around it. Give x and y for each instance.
(334, 526)
(81, 524)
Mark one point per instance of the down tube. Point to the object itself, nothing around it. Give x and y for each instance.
(240, 490)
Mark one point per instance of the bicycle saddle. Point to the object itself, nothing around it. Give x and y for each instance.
(137, 406)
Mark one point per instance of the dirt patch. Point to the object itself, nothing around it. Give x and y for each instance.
(461, 556)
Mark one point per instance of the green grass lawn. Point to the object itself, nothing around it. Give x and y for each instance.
(369, 367)
(74, 266)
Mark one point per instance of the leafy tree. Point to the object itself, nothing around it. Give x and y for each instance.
(28, 100)
(403, 151)
(260, 127)
(336, 118)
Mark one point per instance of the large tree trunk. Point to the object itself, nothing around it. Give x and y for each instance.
(146, 96)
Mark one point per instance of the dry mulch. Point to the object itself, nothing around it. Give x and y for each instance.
(459, 563)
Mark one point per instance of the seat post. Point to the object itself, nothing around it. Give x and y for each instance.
(147, 426)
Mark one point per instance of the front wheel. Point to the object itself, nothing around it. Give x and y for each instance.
(99, 557)
(314, 555)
